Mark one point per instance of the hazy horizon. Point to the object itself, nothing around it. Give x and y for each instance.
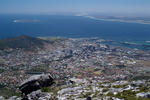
(107, 7)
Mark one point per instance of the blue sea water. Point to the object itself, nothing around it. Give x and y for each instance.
(72, 26)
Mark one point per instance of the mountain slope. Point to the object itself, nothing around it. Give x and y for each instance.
(23, 42)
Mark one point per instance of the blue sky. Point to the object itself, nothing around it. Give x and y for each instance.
(99, 6)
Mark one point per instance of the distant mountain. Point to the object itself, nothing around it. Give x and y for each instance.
(23, 42)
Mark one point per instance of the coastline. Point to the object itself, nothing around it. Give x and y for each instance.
(118, 20)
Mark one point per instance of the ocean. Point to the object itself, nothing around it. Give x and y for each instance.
(72, 26)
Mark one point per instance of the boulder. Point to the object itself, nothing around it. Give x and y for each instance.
(35, 83)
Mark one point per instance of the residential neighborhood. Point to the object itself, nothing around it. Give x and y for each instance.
(95, 69)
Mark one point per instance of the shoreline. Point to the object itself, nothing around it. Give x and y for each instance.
(117, 20)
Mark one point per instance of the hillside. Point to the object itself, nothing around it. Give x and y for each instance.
(23, 42)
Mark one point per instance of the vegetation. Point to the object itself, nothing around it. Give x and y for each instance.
(1, 70)
(96, 94)
(2, 60)
(45, 89)
(141, 77)
(6, 92)
(84, 95)
(110, 94)
(129, 95)
(144, 89)
(105, 90)
(39, 68)
(24, 42)
(119, 86)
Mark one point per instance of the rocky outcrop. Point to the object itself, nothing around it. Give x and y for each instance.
(31, 88)
(38, 95)
(35, 83)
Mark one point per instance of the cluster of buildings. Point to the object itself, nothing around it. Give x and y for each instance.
(80, 58)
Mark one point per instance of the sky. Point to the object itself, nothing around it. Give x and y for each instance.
(75, 6)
